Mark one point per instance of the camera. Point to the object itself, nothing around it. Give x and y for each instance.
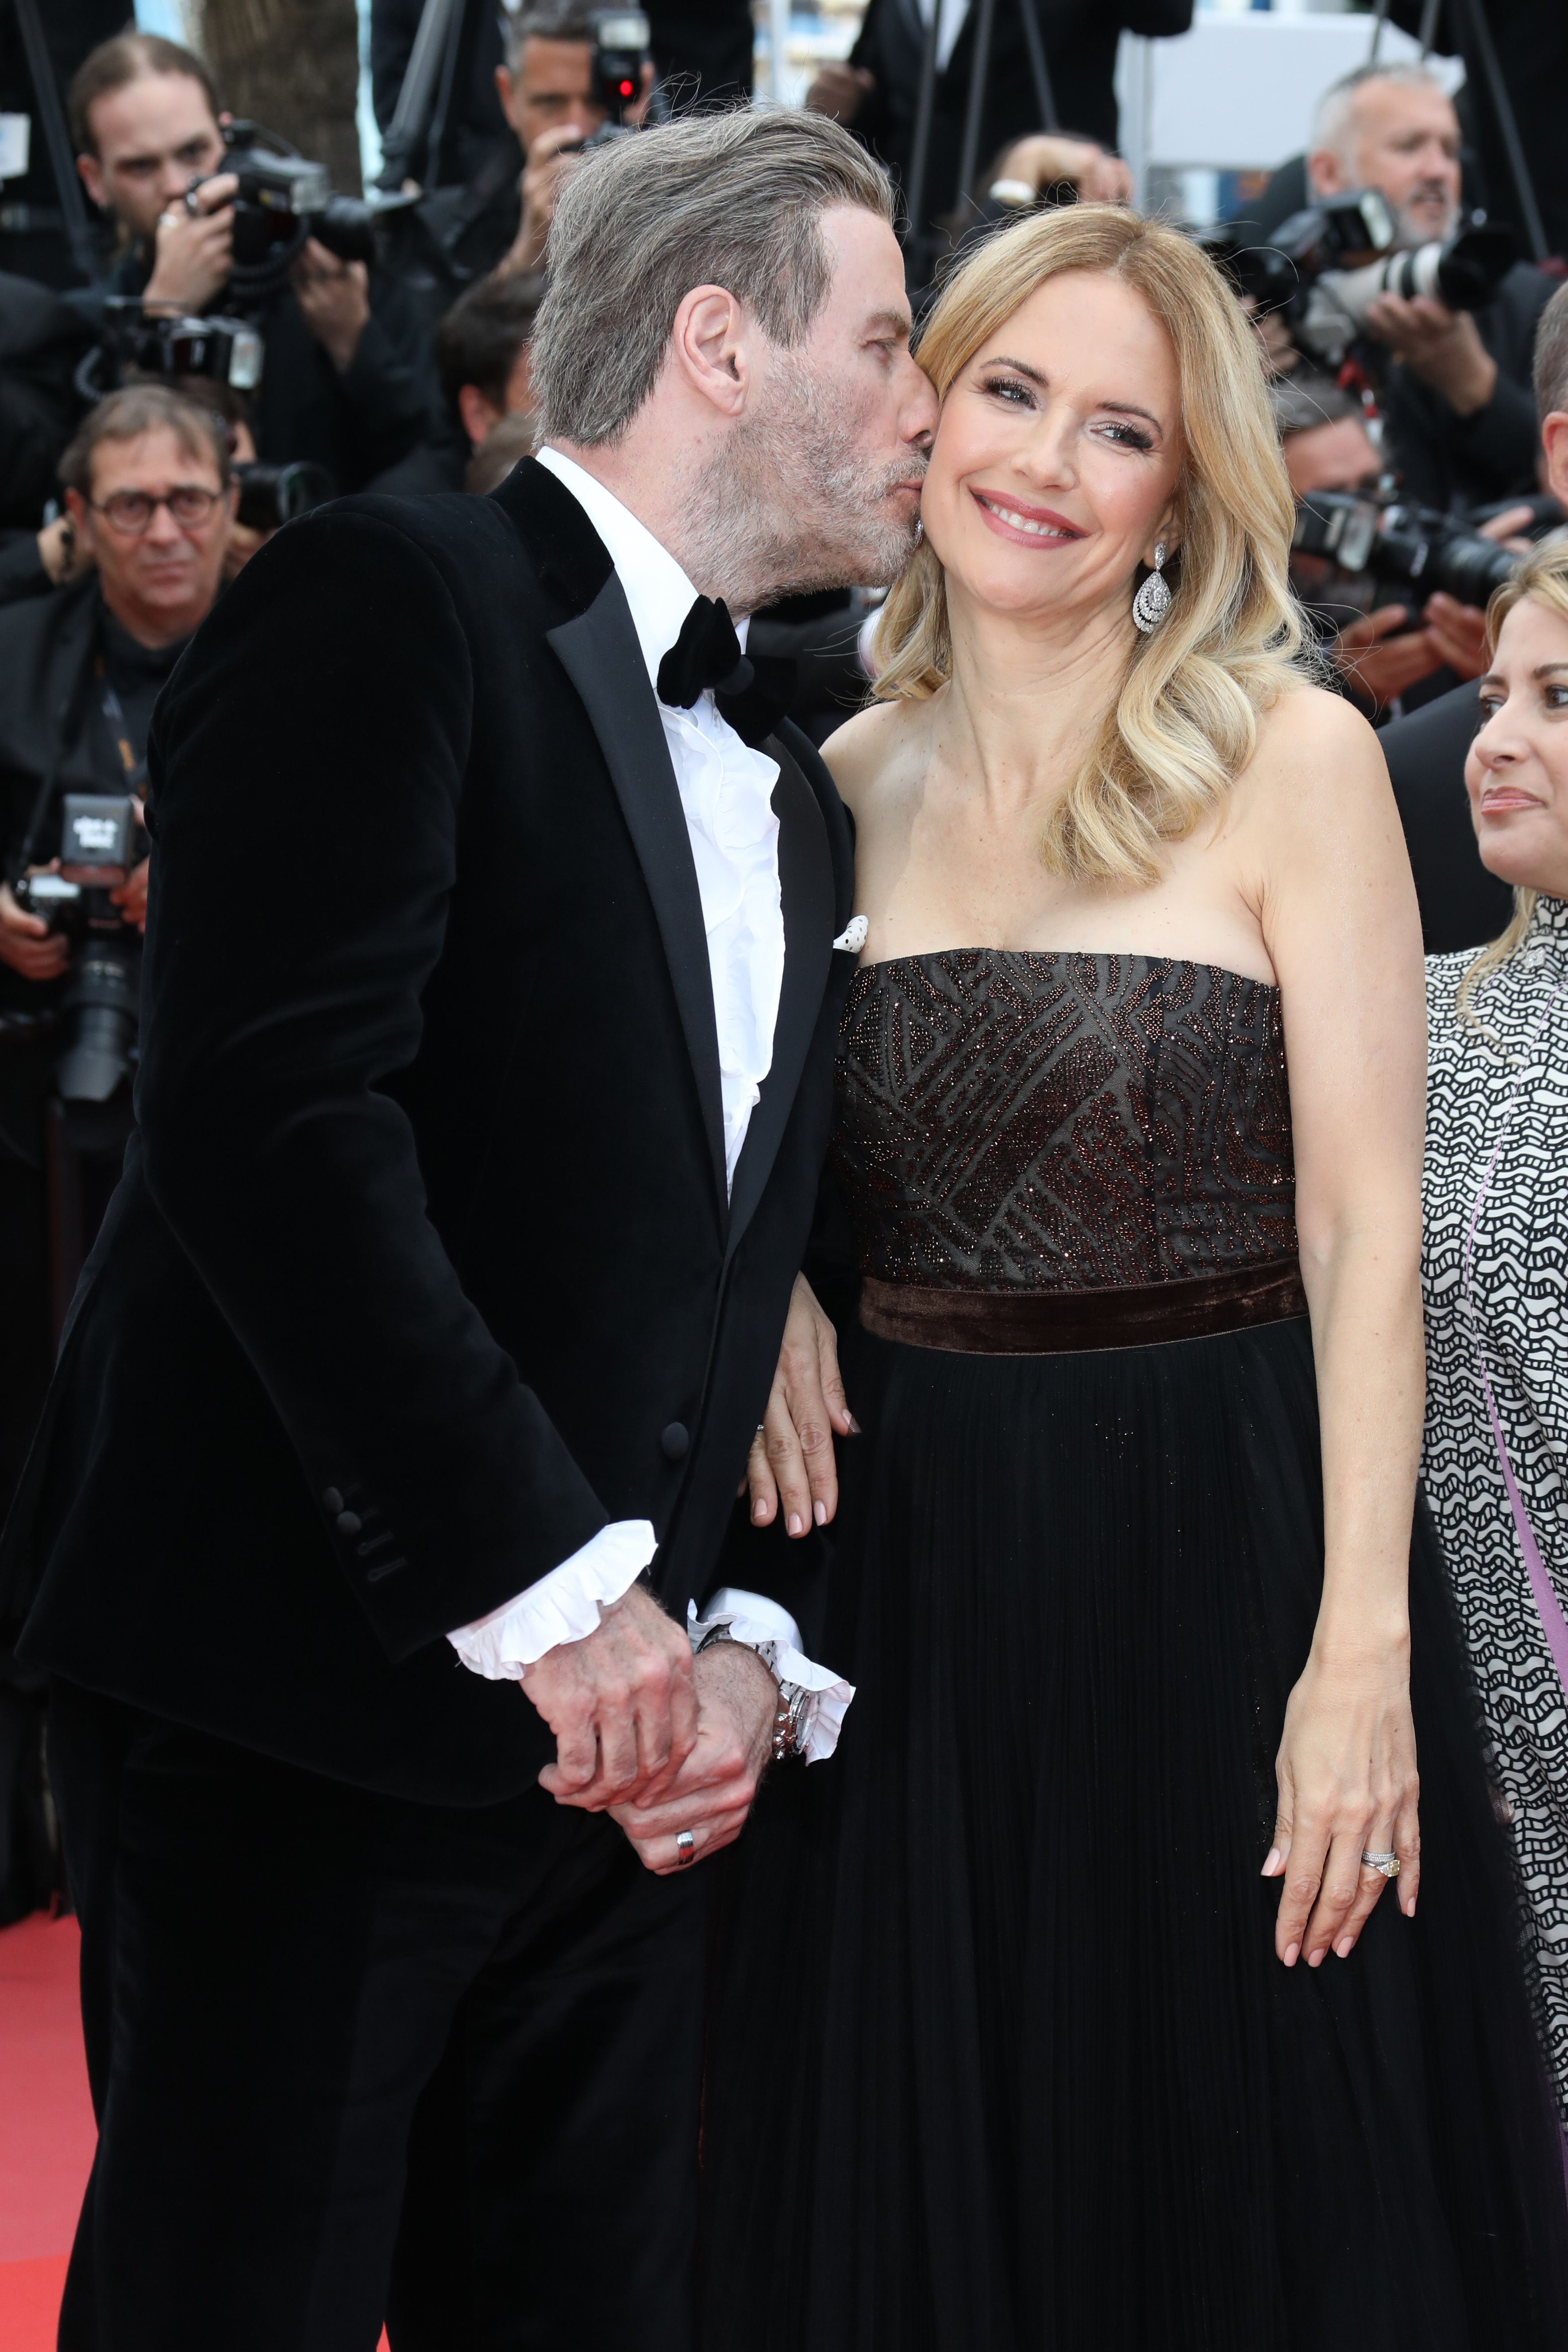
(270, 496)
(1409, 546)
(283, 199)
(142, 338)
(1328, 264)
(621, 49)
(101, 838)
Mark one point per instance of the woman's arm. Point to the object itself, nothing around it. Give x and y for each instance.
(1338, 916)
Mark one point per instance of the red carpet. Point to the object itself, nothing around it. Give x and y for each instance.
(45, 2127)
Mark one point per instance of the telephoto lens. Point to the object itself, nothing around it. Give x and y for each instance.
(1410, 547)
(99, 1017)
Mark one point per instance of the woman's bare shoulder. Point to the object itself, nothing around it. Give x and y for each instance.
(1309, 727)
(864, 754)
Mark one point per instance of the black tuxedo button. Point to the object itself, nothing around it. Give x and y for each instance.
(332, 1501)
(348, 1523)
(674, 1442)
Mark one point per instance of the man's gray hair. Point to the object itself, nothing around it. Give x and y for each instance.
(731, 199)
(1333, 124)
(545, 20)
(1551, 356)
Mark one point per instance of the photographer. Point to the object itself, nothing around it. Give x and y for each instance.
(548, 94)
(1378, 654)
(147, 489)
(346, 382)
(1454, 384)
(1462, 904)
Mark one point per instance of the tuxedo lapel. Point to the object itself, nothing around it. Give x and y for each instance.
(806, 891)
(601, 656)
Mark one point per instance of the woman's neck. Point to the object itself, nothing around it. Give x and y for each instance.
(1027, 697)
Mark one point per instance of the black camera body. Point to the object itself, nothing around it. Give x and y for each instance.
(101, 838)
(1409, 547)
(621, 49)
(270, 496)
(283, 198)
(147, 339)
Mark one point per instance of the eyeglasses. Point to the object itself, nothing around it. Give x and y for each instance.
(130, 511)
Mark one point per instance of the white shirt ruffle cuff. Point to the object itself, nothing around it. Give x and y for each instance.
(562, 1607)
(765, 1626)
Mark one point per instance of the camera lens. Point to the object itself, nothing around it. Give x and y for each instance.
(99, 1014)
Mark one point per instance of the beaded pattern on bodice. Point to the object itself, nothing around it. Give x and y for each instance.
(1062, 1121)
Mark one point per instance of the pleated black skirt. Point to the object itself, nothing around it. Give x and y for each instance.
(1001, 2059)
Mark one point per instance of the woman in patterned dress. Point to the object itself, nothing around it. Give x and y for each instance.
(1069, 2009)
(1495, 1261)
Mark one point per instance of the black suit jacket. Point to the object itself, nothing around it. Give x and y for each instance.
(1462, 906)
(422, 1269)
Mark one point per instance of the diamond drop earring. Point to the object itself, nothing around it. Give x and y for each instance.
(1152, 601)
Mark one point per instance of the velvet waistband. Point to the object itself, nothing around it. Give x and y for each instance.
(1057, 1322)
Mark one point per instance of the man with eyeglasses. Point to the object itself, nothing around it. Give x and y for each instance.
(150, 500)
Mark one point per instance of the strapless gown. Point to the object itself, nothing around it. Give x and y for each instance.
(1001, 2057)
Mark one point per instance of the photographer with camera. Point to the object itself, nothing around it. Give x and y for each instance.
(147, 489)
(1463, 906)
(1454, 384)
(1379, 651)
(345, 379)
(556, 94)
(483, 358)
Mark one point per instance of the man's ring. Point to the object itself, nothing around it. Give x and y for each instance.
(1388, 1863)
(686, 1849)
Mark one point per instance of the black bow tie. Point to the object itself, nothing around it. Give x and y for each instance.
(706, 654)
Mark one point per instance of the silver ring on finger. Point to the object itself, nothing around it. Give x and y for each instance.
(1385, 1864)
(685, 1849)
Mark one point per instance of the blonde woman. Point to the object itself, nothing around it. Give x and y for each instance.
(1495, 1257)
(1078, 2004)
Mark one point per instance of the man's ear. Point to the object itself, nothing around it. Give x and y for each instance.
(506, 90)
(1325, 174)
(91, 173)
(80, 513)
(710, 346)
(479, 414)
(1554, 449)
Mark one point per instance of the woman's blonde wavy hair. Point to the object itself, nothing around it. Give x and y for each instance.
(1184, 723)
(1543, 575)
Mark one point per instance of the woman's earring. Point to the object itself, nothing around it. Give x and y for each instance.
(1152, 601)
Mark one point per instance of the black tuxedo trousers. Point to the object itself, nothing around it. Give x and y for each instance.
(421, 1272)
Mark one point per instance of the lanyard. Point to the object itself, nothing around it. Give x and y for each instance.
(114, 716)
(1548, 1607)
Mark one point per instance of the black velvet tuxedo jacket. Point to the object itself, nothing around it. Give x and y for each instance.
(422, 1269)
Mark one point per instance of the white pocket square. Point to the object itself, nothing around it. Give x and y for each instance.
(852, 938)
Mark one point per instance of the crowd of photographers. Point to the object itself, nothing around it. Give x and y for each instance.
(250, 344)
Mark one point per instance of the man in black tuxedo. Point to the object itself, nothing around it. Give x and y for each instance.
(427, 1332)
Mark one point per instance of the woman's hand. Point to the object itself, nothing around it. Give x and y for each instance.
(792, 1462)
(1348, 1786)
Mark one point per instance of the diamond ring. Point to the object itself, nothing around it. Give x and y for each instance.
(1388, 1863)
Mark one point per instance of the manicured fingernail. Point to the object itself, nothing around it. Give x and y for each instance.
(819, 1512)
(1345, 1947)
(853, 1426)
(1292, 1954)
(1272, 1863)
(1410, 1906)
(759, 1510)
(796, 1524)
(1315, 1959)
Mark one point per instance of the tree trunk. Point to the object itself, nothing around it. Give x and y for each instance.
(292, 65)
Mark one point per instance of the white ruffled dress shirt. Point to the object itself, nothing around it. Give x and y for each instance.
(726, 791)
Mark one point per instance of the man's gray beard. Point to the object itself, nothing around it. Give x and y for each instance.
(789, 504)
(1408, 233)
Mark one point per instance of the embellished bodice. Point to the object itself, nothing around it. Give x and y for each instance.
(1062, 1122)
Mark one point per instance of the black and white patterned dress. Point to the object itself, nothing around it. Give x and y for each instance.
(1514, 1089)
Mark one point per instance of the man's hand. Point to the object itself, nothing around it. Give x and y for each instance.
(1443, 347)
(62, 552)
(544, 175)
(1457, 634)
(26, 942)
(622, 1704)
(712, 1794)
(791, 1461)
(334, 297)
(1381, 655)
(839, 90)
(131, 896)
(1046, 158)
(193, 253)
